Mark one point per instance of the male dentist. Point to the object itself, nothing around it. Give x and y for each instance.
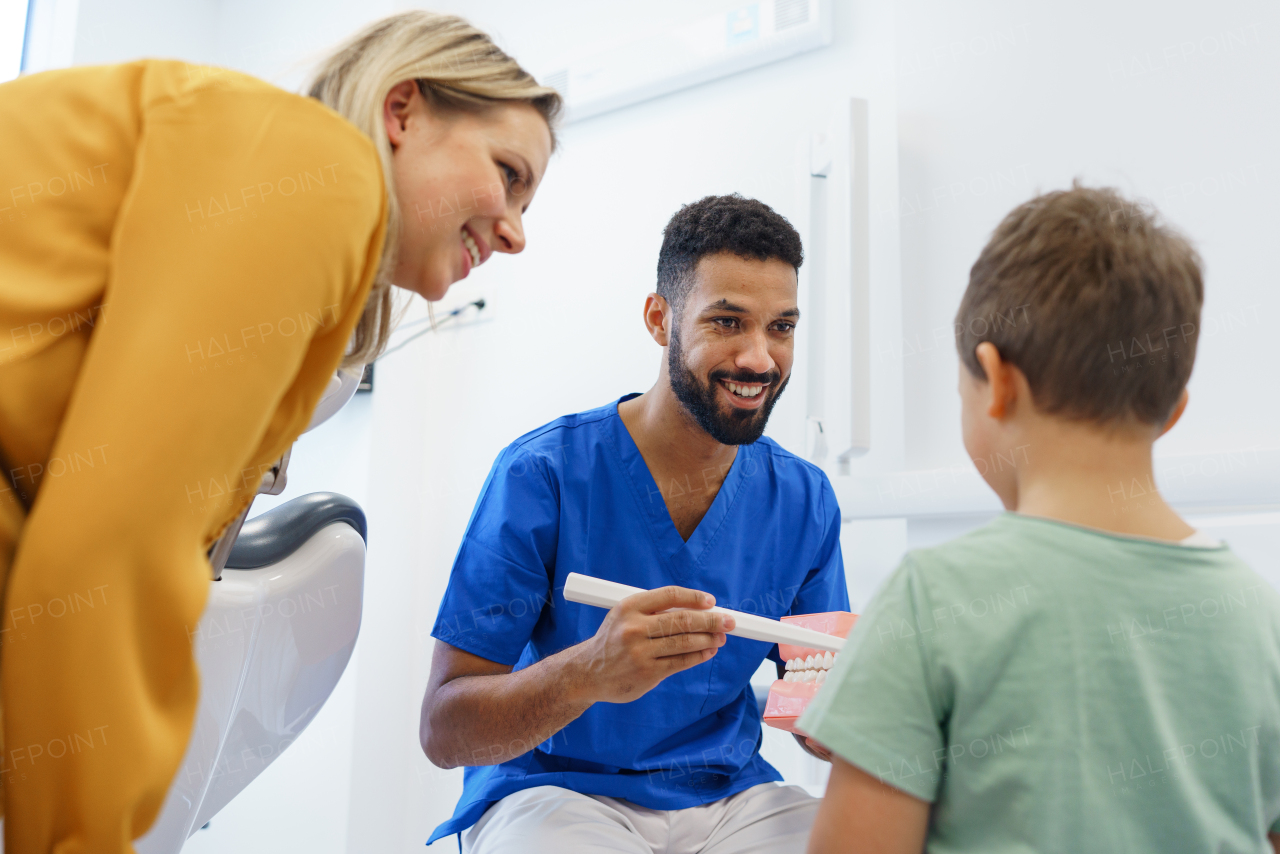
(636, 730)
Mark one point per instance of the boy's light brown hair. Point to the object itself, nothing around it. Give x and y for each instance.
(1094, 299)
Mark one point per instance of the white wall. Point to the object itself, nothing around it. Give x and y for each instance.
(974, 107)
(1171, 102)
(129, 29)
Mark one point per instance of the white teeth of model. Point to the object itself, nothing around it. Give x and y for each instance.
(790, 664)
(810, 675)
(808, 663)
(790, 677)
(822, 677)
(827, 661)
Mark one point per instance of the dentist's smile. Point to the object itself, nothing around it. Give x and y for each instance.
(744, 395)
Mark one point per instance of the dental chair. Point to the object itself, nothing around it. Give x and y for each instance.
(276, 634)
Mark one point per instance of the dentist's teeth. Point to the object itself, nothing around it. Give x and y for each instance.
(472, 248)
(827, 661)
(742, 390)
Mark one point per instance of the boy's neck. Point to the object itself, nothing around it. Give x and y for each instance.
(1077, 473)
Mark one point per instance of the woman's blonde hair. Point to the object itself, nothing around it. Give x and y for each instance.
(456, 67)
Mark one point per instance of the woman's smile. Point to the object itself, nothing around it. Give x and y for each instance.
(475, 250)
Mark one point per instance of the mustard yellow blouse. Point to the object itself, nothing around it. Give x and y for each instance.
(184, 252)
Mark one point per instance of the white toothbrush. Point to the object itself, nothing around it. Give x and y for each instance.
(586, 590)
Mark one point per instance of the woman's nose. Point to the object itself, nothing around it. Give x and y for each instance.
(508, 235)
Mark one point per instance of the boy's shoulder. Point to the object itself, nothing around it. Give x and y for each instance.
(995, 539)
(1071, 559)
(997, 543)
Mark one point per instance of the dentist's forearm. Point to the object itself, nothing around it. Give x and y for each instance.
(491, 718)
(478, 712)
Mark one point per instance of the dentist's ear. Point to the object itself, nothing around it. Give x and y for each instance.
(658, 319)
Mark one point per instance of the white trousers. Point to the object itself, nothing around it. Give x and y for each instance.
(765, 819)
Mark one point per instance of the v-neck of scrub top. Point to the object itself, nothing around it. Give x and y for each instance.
(684, 556)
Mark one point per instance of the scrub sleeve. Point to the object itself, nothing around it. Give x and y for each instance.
(231, 273)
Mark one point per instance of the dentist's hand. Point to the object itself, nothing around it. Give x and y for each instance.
(813, 748)
(647, 637)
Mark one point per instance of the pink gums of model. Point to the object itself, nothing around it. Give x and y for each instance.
(787, 698)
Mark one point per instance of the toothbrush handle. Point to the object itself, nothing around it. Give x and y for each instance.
(586, 590)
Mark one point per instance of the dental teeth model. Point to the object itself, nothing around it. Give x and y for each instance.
(806, 669)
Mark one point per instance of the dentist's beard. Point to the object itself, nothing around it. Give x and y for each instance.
(735, 427)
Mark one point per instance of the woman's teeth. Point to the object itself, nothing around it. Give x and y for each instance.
(812, 668)
(744, 390)
(472, 248)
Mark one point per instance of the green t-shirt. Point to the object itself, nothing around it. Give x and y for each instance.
(1055, 688)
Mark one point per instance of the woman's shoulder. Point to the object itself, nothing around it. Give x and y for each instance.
(266, 114)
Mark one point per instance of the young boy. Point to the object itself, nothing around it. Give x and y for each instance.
(1086, 672)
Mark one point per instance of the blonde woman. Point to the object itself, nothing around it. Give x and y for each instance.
(186, 256)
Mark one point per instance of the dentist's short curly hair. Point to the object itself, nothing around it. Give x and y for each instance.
(746, 227)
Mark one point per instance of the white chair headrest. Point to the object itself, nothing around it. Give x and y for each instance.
(342, 387)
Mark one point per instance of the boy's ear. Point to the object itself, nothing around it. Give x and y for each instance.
(1180, 408)
(1002, 387)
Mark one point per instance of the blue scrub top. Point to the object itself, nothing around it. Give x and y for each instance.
(577, 496)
